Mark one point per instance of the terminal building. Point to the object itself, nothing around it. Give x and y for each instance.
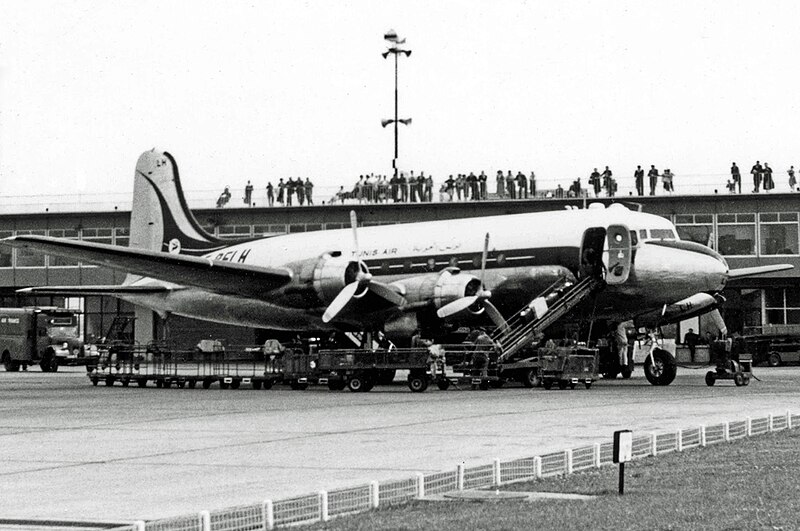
(749, 230)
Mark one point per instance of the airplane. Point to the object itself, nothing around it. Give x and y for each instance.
(403, 280)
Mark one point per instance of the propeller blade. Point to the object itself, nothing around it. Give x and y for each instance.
(354, 226)
(458, 305)
(483, 257)
(494, 315)
(341, 300)
(386, 292)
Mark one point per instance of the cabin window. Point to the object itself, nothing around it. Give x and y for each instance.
(662, 234)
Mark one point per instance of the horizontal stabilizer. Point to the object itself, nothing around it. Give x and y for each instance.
(757, 270)
(72, 291)
(212, 275)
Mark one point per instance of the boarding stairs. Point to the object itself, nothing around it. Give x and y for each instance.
(522, 328)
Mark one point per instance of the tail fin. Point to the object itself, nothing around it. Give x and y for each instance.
(160, 217)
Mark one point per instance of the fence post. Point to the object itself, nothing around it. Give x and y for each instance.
(537, 467)
(496, 470)
(568, 461)
(770, 425)
(749, 425)
(139, 525)
(323, 505)
(789, 420)
(654, 444)
(702, 435)
(205, 520)
(679, 440)
(460, 476)
(374, 494)
(597, 455)
(269, 515)
(420, 485)
(726, 431)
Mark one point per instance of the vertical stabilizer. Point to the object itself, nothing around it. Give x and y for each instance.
(160, 218)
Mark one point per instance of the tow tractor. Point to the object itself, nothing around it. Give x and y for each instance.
(731, 364)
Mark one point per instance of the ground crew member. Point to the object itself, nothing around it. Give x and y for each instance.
(691, 339)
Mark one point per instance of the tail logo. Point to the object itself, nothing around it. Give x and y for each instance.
(174, 246)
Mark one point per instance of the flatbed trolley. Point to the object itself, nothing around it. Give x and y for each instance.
(568, 366)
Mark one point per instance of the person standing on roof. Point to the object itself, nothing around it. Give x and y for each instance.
(757, 171)
(594, 180)
(769, 184)
(501, 185)
(652, 175)
(309, 187)
(792, 180)
(270, 194)
(248, 194)
(736, 177)
(639, 178)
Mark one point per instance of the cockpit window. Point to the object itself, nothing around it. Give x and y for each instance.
(662, 234)
(634, 238)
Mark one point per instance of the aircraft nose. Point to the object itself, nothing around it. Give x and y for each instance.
(680, 272)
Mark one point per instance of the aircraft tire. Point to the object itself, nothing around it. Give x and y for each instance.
(711, 378)
(660, 368)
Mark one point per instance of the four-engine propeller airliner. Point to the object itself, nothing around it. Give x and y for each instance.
(403, 279)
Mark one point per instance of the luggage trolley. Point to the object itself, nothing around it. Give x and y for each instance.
(568, 366)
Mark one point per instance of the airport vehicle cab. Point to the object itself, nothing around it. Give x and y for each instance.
(47, 336)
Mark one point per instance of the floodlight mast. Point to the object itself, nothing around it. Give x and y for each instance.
(395, 49)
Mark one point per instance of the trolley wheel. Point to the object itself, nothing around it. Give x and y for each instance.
(572, 385)
(268, 384)
(223, 384)
(256, 384)
(711, 377)
(443, 384)
(746, 380)
(298, 386)
(236, 383)
(562, 384)
(125, 382)
(738, 379)
(417, 383)
(192, 384)
(356, 383)
(547, 384)
(141, 382)
(207, 383)
(95, 380)
(530, 378)
(588, 384)
(180, 384)
(774, 359)
(109, 381)
(167, 383)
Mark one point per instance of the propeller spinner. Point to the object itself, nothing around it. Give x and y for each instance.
(362, 283)
(481, 297)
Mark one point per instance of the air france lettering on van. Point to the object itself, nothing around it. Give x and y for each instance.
(233, 256)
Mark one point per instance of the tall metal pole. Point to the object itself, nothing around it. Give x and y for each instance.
(395, 49)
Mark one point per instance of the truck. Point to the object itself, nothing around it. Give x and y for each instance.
(772, 344)
(47, 336)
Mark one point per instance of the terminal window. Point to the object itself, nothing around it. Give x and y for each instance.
(697, 228)
(60, 261)
(782, 305)
(778, 233)
(27, 258)
(5, 252)
(737, 234)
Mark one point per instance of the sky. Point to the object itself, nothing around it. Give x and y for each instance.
(260, 90)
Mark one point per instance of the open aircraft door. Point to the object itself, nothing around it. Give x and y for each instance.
(594, 240)
(620, 255)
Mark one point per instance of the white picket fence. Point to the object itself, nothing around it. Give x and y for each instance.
(324, 505)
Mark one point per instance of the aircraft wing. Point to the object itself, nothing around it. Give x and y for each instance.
(212, 275)
(104, 289)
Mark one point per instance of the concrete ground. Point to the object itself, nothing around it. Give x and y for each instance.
(73, 451)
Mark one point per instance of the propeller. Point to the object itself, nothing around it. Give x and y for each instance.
(481, 296)
(362, 283)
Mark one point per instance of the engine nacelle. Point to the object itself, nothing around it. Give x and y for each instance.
(332, 273)
(697, 304)
(442, 288)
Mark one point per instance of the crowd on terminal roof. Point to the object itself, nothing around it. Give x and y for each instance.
(402, 188)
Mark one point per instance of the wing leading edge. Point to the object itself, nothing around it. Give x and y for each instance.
(219, 277)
